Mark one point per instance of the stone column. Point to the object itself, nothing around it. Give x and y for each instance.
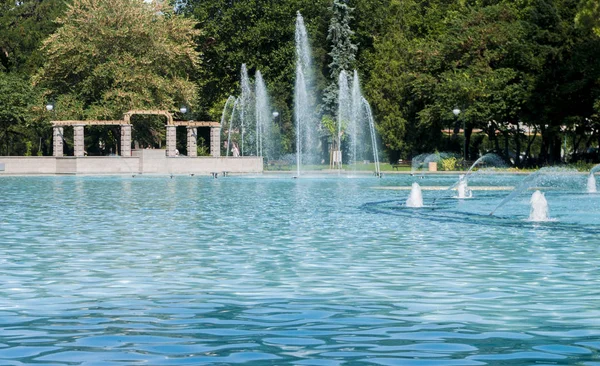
(171, 140)
(125, 140)
(192, 144)
(215, 141)
(57, 142)
(78, 140)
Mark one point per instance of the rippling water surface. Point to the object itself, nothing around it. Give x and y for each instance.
(192, 270)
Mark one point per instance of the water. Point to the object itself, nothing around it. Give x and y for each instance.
(371, 123)
(228, 110)
(304, 104)
(354, 114)
(194, 270)
(539, 207)
(421, 161)
(591, 184)
(462, 188)
(245, 102)
(415, 198)
(345, 122)
(264, 122)
(544, 177)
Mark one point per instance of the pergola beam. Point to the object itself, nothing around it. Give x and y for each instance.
(125, 123)
(88, 123)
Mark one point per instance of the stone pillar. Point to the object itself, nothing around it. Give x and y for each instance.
(192, 144)
(215, 141)
(125, 140)
(57, 142)
(171, 140)
(78, 140)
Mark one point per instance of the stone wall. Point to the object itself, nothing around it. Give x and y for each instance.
(28, 164)
(142, 162)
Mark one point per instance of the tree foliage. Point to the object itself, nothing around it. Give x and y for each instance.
(524, 73)
(342, 54)
(15, 96)
(111, 56)
(23, 26)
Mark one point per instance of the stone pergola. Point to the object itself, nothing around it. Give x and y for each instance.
(125, 123)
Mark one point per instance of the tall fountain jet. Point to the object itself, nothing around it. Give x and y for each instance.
(248, 118)
(303, 97)
(344, 114)
(264, 139)
(231, 103)
(354, 110)
(244, 105)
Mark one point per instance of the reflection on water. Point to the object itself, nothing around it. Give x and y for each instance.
(115, 271)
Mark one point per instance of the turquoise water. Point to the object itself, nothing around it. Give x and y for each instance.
(271, 271)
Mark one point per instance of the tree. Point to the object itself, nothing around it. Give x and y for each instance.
(588, 15)
(112, 56)
(342, 54)
(24, 25)
(15, 96)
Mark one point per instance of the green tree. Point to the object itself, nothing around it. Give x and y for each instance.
(15, 96)
(24, 25)
(588, 15)
(112, 56)
(342, 54)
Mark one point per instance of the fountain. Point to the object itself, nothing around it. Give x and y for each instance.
(231, 101)
(421, 161)
(303, 99)
(462, 189)
(355, 116)
(461, 185)
(354, 112)
(345, 118)
(264, 126)
(490, 159)
(591, 182)
(539, 207)
(245, 101)
(373, 137)
(415, 198)
(249, 118)
(542, 176)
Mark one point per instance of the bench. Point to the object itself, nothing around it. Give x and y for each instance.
(402, 164)
(278, 164)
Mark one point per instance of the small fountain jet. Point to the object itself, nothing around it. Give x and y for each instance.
(462, 188)
(415, 199)
(539, 207)
(591, 184)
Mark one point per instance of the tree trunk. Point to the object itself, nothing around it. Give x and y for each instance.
(468, 132)
(518, 147)
(529, 143)
(555, 147)
(506, 148)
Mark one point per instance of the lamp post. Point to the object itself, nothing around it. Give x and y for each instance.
(49, 108)
(456, 112)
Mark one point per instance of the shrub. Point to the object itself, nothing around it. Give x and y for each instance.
(449, 163)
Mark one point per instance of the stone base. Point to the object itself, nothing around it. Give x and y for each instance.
(147, 161)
